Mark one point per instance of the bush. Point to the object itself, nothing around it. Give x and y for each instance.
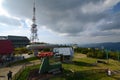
(113, 55)
(97, 53)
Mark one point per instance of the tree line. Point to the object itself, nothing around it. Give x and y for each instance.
(90, 52)
(98, 53)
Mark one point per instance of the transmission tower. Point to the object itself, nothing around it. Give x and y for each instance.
(34, 35)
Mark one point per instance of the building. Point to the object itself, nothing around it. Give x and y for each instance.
(6, 47)
(6, 50)
(17, 41)
(66, 52)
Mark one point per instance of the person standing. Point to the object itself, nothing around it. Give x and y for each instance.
(9, 75)
(109, 72)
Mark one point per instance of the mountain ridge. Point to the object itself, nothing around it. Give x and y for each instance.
(106, 45)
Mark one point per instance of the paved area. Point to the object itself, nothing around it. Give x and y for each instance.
(5, 70)
(14, 69)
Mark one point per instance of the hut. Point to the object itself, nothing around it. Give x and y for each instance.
(66, 53)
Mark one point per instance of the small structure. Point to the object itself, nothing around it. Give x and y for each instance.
(65, 52)
(46, 67)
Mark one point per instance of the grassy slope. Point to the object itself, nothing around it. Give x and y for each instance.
(25, 72)
(82, 69)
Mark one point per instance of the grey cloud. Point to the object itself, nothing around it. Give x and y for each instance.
(62, 5)
(105, 33)
(111, 23)
(9, 21)
(62, 16)
(19, 8)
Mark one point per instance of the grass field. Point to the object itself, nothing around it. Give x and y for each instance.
(83, 68)
(24, 74)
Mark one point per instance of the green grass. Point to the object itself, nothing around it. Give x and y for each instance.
(24, 74)
(82, 69)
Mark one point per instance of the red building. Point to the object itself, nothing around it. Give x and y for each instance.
(6, 47)
(6, 50)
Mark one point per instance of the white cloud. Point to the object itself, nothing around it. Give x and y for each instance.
(2, 10)
(28, 22)
(7, 30)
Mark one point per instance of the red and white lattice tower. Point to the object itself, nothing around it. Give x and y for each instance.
(34, 35)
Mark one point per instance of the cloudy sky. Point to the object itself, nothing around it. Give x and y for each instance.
(63, 21)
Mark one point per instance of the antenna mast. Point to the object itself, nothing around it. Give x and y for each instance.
(34, 35)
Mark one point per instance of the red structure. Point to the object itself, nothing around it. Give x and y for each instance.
(6, 47)
(44, 54)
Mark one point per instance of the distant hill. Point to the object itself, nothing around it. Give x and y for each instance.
(110, 45)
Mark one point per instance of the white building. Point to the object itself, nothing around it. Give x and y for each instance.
(66, 52)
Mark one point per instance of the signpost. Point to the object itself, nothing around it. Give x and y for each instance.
(107, 56)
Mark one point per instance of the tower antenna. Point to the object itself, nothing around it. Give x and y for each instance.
(34, 35)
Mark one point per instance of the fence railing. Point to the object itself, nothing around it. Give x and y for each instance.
(15, 76)
(19, 72)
